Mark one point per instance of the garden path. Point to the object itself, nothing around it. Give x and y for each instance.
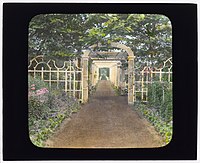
(106, 121)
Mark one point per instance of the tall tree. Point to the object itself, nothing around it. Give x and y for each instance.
(65, 35)
(56, 34)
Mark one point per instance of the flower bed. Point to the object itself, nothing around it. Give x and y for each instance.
(47, 109)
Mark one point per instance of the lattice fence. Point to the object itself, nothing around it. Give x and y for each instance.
(148, 75)
(68, 77)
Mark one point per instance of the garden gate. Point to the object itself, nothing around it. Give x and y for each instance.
(68, 77)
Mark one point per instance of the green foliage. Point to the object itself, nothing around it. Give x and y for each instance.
(92, 89)
(47, 110)
(164, 128)
(37, 82)
(55, 33)
(65, 35)
(158, 110)
(35, 108)
(160, 98)
(119, 91)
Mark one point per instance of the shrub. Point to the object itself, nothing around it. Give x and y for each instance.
(36, 83)
(158, 109)
(119, 91)
(160, 98)
(92, 89)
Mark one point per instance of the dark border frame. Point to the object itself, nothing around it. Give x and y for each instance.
(16, 143)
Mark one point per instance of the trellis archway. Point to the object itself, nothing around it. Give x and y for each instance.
(130, 53)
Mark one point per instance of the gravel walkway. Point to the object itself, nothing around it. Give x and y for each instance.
(106, 121)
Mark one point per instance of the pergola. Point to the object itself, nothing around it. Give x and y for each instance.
(111, 60)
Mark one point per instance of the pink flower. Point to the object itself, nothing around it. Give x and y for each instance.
(33, 88)
(33, 85)
(42, 91)
(39, 92)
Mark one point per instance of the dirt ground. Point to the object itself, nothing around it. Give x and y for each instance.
(106, 121)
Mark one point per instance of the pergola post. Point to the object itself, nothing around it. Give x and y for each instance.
(85, 75)
(131, 86)
(123, 78)
(118, 74)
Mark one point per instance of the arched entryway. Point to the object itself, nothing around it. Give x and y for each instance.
(116, 64)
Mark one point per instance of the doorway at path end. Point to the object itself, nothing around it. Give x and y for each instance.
(104, 73)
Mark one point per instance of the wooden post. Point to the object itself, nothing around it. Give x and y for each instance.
(142, 85)
(85, 75)
(118, 75)
(74, 84)
(131, 79)
(70, 79)
(160, 75)
(58, 78)
(65, 80)
(81, 85)
(42, 74)
(169, 74)
(122, 78)
(50, 77)
(34, 74)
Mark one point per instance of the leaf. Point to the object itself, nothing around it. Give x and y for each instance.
(129, 29)
(103, 17)
(142, 16)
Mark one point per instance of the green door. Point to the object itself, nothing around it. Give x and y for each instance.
(104, 73)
